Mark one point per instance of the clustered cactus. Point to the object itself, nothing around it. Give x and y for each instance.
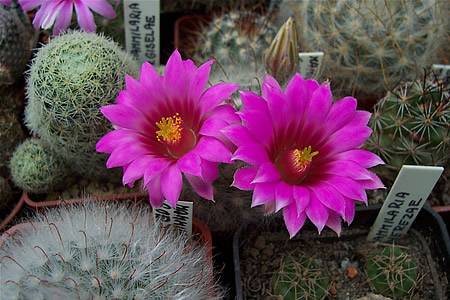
(371, 45)
(34, 168)
(411, 126)
(69, 80)
(103, 251)
(16, 40)
(300, 278)
(391, 272)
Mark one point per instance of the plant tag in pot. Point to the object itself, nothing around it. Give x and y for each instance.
(142, 30)
(442, 72)
(310, 64)
(179, 218)
(409, 192)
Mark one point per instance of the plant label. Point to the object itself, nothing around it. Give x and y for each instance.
(180, 218)
(310, 64)
(409, 192)
(442, 72)
(142, 23)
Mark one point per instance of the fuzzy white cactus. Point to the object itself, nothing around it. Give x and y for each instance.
(102, 251)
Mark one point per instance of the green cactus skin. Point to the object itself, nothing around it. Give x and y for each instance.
(411, 126)
(300, 278)
(35, 169)
(16, 38)
(103, 250)
(11, 133)
(69, 80)
(391, 272)
(371, 45)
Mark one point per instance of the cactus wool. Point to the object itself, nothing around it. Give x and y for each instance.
(70, 79)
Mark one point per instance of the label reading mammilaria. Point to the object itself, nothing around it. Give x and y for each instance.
(179, 218)
(310, 64)
(142, 23)
(409, 192)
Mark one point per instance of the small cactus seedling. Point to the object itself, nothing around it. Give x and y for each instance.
(103, 250)
(300, 278)
(16, 38)
(411, 126)
(370, 45)
(34, 168)
(69, 80)
(391, 272)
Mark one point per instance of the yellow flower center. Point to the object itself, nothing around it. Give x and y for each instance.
(170, 129)
(303, 157)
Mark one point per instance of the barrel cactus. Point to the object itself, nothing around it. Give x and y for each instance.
(391, 272)
(411, 126)
(300, 278)
(34, 168)
(105, 250)
(69, 80)
(16, 39)
(371, 45)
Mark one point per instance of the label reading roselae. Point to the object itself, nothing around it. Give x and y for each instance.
(409, 192)
(179, 218)
(142, 25)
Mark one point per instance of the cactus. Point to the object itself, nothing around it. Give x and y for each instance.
(11, 133)
(391, 272)
(16, 38)
(69, 80)
(36, 169)
(103, 251)
(370, 46)
(411, 126)
(300, 278)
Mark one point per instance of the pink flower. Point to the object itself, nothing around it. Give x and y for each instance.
(5, 2)
(59, 13)
(169, 125)
(303, 153)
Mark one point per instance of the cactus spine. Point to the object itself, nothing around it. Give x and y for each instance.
(70, 79)
(103, 251)
(300, 278)
(391, 272)
(370, 46)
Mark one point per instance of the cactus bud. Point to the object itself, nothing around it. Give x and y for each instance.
(281, 59)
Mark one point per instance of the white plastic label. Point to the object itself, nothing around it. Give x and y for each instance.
(179, 218)
(411, 189)
(310, 64)
(142, 23)
(442, 72)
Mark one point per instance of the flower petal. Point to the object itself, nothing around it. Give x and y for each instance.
(334, 222)
(301, 197)
(224, 112)
(251, 153)
(136, 169)
(101, 7)
(198, 81)
(155, 168)
(373, 183)
(345, 168)
(297, 95)
(213, 149)
(238, 134)
(84, 16)
(267, 173)
(210, 171)
(126, 153)
(283, 195)
(346, 139)
(126, 117)
(154, 192)
(293, 221)
(341, 113)
(347, 187)
(317, 212)
(202, 188)
(212, 127)
(243, 178)
(362, 157)
(263, 193)
(174, 80)
(63, 18)
(252, 101)
(215, 95)
(259, 125)
(329, 197)
(190, 163)
(171, 184)
(349, 210)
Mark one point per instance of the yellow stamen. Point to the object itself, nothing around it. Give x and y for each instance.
(301, 158)
(171, 128)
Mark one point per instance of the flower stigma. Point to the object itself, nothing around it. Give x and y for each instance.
(170, 129)
(304, 158)
(293, 164)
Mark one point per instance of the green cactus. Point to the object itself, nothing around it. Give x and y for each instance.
(34, 168)
(11, 133)
(16, 40)
(370, 46)
(300, 278)
(103, 251)
(69, 80)
(391, 272)
(411, 126)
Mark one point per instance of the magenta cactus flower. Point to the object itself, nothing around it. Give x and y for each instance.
(5, 2)
(169, 125)
(303, 151)
(58, 13)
